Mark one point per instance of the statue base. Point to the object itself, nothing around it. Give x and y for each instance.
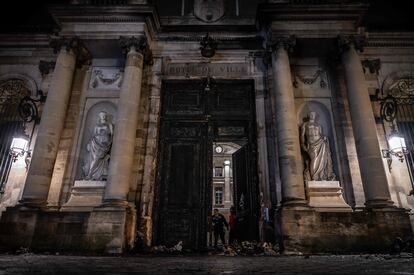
(85, 195)
(326, 196)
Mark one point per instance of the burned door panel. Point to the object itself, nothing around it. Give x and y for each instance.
(181, 202)
(183, 100)
(231, 100)
(244, 202)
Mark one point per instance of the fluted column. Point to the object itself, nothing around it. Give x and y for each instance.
(227, 190)
(290, 161)
(373, 175)
(50, 129)
(123, 145)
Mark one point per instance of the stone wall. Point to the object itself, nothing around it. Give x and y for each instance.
(103, 230)
(362, 231)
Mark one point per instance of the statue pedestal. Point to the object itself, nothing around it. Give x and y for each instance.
(326, 196)
(85, 195)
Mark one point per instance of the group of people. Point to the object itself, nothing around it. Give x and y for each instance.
(217, 225)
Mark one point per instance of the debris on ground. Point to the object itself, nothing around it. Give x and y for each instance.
(24, 251)
(164, 249)
(246, 248)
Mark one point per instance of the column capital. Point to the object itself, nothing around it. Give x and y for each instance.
(345, 42)
(74, 44)
(139, 44)
(285, 42)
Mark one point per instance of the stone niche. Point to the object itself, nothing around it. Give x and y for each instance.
(88, 193)
(323, 195)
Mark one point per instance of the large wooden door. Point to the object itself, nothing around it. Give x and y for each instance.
(183, 182)
(192, 118)
(243, 188)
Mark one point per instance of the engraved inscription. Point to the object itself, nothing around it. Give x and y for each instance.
(202, 69)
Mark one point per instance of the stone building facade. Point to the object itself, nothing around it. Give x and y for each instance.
(175, 78)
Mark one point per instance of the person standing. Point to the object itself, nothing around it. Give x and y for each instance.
(232, 225)
(219, 221)
(209, 231)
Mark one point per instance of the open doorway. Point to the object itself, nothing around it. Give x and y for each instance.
(191, 174)
(232, 189)
(222, 188)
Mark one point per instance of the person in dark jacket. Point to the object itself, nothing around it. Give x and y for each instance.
(219, 221)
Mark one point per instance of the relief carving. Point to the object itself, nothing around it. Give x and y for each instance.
(309, 80)
(208, 10)
(106, 78)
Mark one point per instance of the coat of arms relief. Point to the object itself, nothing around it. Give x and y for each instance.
(208, 10)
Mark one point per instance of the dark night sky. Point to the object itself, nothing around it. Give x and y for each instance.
(32, 16)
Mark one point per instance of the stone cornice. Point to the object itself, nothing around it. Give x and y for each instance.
(197, 37)
(104, 14)
(24, 40)
(391, 39)
(337, 10)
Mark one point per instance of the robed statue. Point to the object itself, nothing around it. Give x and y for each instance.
(318, 160)
(98, 149)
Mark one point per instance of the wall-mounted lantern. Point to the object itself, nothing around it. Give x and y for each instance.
(28, 112)
(19, 145)
(397, 146)
(396, 143)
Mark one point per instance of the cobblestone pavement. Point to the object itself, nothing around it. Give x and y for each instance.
(349, 264)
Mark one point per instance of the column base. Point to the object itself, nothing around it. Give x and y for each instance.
(294, 203)
(114, 203)
(380, 204)
(32, 203)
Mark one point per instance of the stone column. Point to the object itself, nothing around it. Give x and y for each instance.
(373, 175)
(227, 190)
(50, 129)
(123, 145)
(290, 160)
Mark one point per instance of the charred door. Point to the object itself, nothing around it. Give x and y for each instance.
(192, 118)
(243, 183)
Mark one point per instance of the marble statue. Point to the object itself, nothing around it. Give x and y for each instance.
(316, 146)
(98, 149)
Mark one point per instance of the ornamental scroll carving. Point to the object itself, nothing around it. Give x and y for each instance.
(106, 78)
(402, 88)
